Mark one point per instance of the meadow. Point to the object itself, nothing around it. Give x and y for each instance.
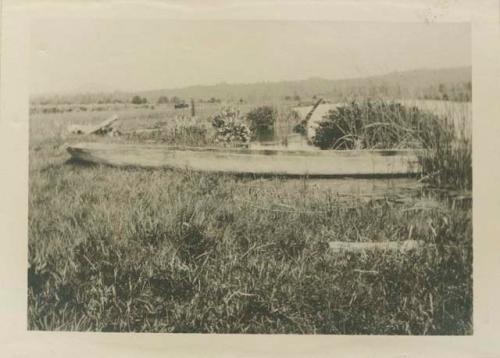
(123, 249)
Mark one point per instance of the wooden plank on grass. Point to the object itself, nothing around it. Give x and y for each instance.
(387, 246)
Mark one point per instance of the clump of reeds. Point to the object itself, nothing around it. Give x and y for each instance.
(447, 152)
(374, 125)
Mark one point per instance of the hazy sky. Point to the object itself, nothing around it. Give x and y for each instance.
(84, 54)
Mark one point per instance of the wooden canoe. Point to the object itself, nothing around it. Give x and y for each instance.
(314, 163)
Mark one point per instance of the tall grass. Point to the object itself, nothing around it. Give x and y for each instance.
(376, 124)
(179, 130)
(448, 161)
(171, 251)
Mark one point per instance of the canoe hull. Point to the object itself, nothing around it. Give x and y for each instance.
(246, 161)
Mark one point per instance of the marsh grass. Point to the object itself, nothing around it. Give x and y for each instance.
(177, 251)
(447, 163)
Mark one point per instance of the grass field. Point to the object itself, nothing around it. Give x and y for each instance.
(176, 251)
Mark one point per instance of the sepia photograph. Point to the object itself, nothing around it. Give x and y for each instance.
(250, 177)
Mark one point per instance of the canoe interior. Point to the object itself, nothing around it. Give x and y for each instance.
(314, 163)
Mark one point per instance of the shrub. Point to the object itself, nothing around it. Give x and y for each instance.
(230, 127)
(376, 124)
(139, 100)
(262, 121)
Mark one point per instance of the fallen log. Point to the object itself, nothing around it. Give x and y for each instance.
(101, 128)
(384, 246)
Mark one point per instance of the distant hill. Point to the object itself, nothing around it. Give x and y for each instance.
(417, 83)
(407, 82)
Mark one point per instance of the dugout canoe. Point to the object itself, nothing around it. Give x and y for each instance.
(314, 163)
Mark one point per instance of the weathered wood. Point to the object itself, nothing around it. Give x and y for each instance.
(313, 115)
(101, 128)
(387, 246)
(253, 161)
(309, 115)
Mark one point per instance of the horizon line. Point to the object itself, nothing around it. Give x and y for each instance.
(123, 91)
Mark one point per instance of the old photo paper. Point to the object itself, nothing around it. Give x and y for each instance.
(237, 178)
